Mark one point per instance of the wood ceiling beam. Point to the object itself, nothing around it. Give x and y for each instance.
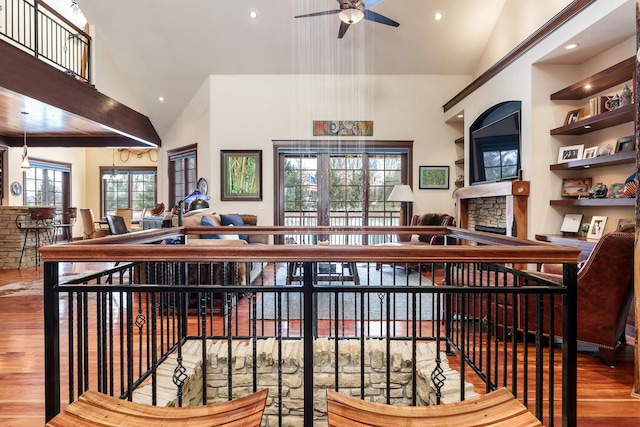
(26, 75)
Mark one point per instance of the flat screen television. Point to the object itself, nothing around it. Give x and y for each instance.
(495, 146)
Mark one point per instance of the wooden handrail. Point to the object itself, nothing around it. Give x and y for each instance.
(131, 247)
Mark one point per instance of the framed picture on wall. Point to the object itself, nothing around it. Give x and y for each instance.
(241, 175)
(434, 177)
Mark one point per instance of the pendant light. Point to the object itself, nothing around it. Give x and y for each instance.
(24, 167)
(113, 175)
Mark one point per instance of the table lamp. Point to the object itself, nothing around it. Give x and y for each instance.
(401, 193)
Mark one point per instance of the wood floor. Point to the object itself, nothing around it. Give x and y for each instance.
(604, 393)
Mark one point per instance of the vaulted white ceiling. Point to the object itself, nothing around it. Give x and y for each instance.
(168, 48)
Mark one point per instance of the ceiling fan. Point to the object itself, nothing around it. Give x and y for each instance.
(353, 11)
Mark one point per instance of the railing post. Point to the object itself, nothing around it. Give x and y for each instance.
(569, 345)
(51, 342)
(36, 50)
(307, 295)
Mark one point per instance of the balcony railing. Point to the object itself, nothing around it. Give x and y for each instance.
(35, 27)
(186, 324)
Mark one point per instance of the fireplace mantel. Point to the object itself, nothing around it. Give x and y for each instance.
(517, 196)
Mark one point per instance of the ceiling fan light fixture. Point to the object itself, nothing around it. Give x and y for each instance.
(351, 16)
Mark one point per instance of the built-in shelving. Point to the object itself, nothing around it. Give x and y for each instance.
(586, 88)
(612, 76)
(459, 141)
(594, 202)
(624, 157)
(594, 123)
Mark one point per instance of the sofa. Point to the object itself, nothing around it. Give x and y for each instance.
(233, 273)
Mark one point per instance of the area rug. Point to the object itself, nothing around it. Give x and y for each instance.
(350, 305)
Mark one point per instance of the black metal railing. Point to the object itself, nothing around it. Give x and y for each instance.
(35, 27)
(121, 330)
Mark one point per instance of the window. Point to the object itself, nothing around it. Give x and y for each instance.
(133, 188)
(47, 184)
(182, 173)
(340, 186)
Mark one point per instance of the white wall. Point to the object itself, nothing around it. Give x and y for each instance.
(249, 111)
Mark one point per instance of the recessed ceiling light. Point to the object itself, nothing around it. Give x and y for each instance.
(587, 86)
(253, 14)
(460, 116)
(437, 16)
(161, 98)
(571, 46)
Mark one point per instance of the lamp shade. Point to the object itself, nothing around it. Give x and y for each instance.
(401, 193)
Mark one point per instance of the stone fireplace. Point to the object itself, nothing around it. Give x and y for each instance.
(500, 205)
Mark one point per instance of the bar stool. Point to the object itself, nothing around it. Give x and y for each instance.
(41, 220)
(67, 222)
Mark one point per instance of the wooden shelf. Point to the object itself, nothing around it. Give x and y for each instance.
(610, 118)
(612, 76)
(585, 246)
(623, 157)
(459, 162)
(594, 202)
(459, 141)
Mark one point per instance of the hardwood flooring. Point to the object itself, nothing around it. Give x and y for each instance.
(604, 393)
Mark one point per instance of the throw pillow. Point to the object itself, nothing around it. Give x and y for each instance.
(229, 236)
(208, 222)
(235, 220)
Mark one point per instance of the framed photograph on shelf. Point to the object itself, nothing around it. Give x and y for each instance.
(570, 153)
(597, 227)
(573, 116)
(571, 223)
(241, 175)
(625, 144)
(434, 177)
(590, 153)
(622, 222)
(575, 187)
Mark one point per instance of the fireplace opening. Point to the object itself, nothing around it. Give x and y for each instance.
(494, 230)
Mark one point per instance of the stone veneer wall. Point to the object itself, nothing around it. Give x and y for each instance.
(12, 238)
(488, 211)
(292, 375)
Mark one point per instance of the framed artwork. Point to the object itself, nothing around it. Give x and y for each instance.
(575, 187)
(625, 144)
(434, 177)
(590, 153)
(622, 222)
(570, 153)
(597, 227)
(342, 128)
(573, 116)
(241, 175)
(571, 223)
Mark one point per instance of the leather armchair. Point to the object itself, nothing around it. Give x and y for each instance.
(605, 293)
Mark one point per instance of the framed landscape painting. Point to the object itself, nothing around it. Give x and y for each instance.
(241, 175)
(434, 177)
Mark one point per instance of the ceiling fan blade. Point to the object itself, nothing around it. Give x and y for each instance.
(343, 29)
(376, 17)
(371, 3)
(328, 12)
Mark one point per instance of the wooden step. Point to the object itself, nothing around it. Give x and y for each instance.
(498, 408)
(98, 409)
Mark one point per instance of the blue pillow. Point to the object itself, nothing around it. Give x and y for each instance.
(236, 221)
(206, 221)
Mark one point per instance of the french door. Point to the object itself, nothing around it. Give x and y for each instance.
(332, 186)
